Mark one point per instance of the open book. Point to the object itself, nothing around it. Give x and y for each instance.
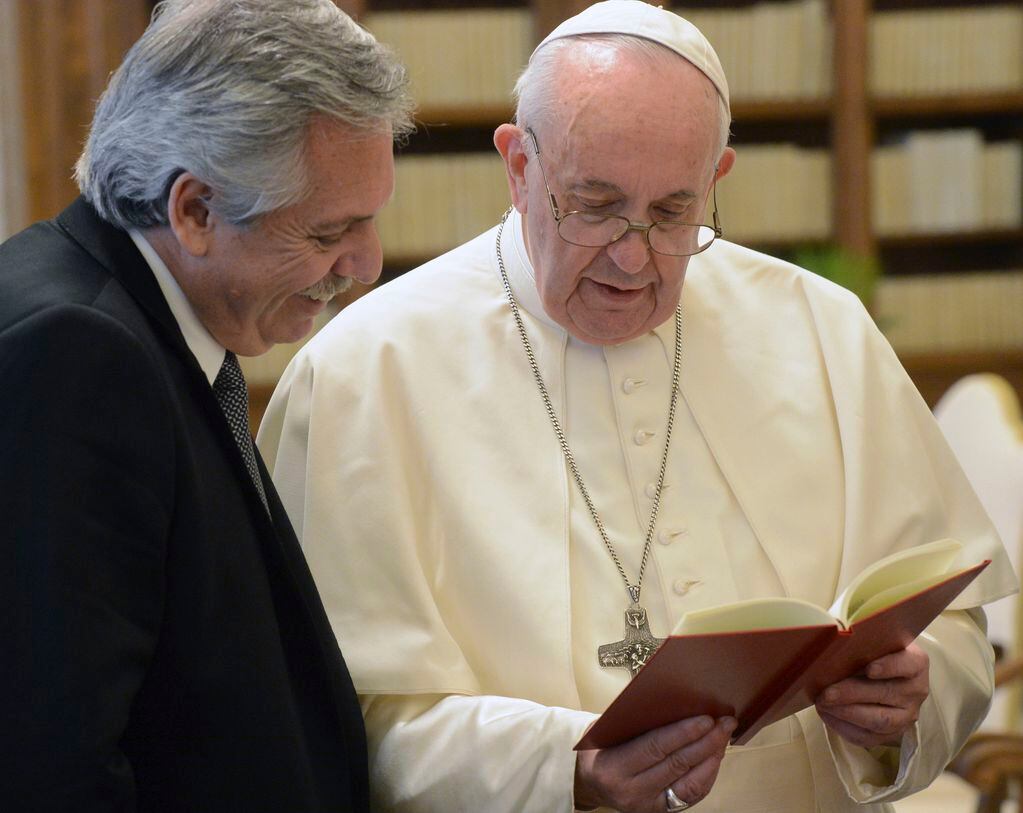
(764, 659)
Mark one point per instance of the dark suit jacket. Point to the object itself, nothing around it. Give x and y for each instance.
(162, 645)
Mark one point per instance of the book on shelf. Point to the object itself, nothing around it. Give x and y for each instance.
(762, 660)
(777, 50)
(458, 58)
(945, 175)
(947, 181)
(923, 313)
(777, 192)
(946, 51)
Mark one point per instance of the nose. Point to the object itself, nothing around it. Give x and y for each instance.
(630, 252)
(364, 262)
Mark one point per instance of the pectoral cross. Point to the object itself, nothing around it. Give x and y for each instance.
(635, 649)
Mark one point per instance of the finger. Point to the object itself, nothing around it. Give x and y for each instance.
(857, 735)
(689, 758)
(909, 663)
(881, 719)
(693, 786)
(605, 775)
(901, 693)
(654, 747)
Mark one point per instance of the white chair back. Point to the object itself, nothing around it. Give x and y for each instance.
(980, 417)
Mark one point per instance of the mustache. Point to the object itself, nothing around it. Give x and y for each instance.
(327, 288)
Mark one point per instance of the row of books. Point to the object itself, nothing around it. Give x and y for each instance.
(459, 57)
(947, 50)
(466, 57)
(948, 180)
(932, 181)
(440, 201)
(770, 50)
(777, 192)
(938, 312)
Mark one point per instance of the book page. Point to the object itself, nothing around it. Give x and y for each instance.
(757, 613)
(895, 577)
(893, 595)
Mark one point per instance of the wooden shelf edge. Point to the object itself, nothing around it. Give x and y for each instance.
(948, 104)
(767, 110)
(908, 240)
(480, 115)
(754, 110)
(743, 110)
(935, 371)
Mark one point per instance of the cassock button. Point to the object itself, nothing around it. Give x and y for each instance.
(643, 437)
(630, 385)
(683, 586)
(669, 535)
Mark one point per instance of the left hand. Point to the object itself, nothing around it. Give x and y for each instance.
(880, 704)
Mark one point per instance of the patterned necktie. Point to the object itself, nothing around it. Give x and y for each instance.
(229, 387)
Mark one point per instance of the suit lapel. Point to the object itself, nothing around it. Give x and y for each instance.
(114, 249)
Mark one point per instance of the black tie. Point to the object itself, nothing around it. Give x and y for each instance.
(229, 387)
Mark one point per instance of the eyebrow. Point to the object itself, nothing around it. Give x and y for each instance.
(328, 226)
(596, 185)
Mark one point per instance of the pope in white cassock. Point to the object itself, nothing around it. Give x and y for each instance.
(493, 458)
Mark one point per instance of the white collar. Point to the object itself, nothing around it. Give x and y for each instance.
(207, 350)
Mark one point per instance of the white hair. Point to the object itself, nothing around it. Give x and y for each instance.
(537, 87)
(226, 90)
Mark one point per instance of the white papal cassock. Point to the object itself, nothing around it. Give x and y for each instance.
(464, 578)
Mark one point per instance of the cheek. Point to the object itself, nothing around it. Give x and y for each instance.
(671, 274)
(563, 271)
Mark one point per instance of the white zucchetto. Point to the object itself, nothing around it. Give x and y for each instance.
(639, 19)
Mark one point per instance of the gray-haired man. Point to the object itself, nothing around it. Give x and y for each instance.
(165, 646)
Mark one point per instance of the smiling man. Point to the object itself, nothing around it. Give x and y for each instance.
(164, 646)
(591, 420)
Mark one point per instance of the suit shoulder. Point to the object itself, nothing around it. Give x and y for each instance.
(42, 267)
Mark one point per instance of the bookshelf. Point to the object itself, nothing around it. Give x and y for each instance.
(68, 47)
(845, 123)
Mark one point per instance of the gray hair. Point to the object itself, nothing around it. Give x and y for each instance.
(536, 87)
(226, 90)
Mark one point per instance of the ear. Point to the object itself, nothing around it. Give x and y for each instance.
(725, 163)
(189, 214)
(510, 142)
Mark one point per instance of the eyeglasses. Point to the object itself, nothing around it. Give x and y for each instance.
(663, 236)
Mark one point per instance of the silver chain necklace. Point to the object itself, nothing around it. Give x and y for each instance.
(635, 649)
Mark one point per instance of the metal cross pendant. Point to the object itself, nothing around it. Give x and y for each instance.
(635, 649)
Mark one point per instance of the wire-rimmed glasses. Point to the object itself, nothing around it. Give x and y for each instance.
(593, 230)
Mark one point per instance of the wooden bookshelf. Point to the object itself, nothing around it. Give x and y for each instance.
(69, 47)
(974, 104)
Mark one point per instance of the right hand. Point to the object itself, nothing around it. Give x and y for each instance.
(632, 777)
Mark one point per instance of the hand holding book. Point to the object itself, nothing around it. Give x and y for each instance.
(764, 659)
(877, 706)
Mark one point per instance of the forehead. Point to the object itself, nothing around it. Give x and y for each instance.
(632, 114)
(350, 171)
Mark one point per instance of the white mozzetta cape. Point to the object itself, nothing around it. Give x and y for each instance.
(410, 447)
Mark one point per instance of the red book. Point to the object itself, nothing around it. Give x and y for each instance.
(762, 660)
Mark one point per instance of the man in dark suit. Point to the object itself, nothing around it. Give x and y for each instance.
(162, 644)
